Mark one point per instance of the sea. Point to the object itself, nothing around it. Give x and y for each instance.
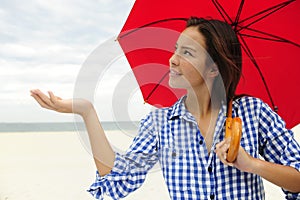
(65, 126)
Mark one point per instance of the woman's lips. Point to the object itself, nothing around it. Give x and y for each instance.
(174, 73)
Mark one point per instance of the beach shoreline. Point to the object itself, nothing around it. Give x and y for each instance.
(57, 165)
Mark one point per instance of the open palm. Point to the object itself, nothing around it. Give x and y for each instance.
(52, 102)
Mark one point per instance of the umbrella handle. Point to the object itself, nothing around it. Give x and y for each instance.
(234, 130)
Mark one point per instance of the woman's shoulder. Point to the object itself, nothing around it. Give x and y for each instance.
(252, 104)
(248, 101)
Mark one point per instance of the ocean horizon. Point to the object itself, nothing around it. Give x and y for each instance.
(63, 126)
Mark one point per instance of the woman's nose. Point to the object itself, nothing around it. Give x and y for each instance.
(174, 60)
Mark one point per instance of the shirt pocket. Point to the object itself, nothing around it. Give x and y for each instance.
(170, 155)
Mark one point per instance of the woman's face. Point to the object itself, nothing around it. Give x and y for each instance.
(188, 64)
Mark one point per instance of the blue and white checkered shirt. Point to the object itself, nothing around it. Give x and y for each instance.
(171, 136)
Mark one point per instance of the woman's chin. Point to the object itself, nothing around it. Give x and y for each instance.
(177, 85)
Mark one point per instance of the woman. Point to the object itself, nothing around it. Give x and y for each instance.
(188, 138)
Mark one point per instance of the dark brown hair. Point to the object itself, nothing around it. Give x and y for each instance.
(224, 48)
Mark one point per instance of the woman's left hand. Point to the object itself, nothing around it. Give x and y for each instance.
(243, 162)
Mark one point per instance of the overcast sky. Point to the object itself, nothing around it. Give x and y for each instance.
(44, 44)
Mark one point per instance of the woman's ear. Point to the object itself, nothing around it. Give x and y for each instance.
(214, 71)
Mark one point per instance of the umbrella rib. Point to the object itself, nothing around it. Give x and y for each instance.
(263, 38)
(156, 86)
(237, 18)
(266, 10)
(266, 13)
(250, 55)
(222, 11)
(149, 24)
(272, 37)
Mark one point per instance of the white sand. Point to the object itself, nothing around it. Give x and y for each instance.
(47, 166)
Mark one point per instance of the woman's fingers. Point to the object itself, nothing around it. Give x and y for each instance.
(221, 151)
(44, 100)
(53, 102)
(41, 102)
(220, 144)
(58, 104)
(53, 98)
(223, 146)
(43, 97)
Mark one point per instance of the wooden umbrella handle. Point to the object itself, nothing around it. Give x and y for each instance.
(233, 130)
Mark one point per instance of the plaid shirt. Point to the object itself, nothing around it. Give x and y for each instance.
(171, 136)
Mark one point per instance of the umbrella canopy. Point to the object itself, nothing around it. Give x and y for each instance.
(268, 31)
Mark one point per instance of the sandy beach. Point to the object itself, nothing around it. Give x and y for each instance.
(55, 165)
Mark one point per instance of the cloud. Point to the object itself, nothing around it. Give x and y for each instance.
(45, 43)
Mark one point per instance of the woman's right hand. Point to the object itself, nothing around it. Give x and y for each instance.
(52, 102)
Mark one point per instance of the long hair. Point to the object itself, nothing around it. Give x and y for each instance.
(224, 48)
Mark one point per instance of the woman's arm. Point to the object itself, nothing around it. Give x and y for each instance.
(284, 176)
(103, 154)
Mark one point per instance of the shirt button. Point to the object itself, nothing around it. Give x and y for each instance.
(173, 154)
(209, 169)
(201, 142)
(212, 196)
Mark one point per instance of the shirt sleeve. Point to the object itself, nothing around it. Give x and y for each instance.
(129, 170)
(277, 143)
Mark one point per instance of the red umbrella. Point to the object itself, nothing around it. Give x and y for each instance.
(268, 31)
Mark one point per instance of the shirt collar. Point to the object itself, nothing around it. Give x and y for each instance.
(178, 109)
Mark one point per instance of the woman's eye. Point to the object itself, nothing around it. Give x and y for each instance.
(186, 52)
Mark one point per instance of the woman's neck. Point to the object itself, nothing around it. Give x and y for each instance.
(199, 103)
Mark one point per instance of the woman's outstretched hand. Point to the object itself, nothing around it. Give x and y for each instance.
(103, 154)
(52, 102)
